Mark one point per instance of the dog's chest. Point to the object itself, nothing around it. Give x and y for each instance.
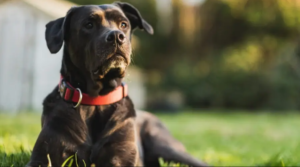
(96, 119)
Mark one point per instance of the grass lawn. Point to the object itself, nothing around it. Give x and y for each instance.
(220, 139)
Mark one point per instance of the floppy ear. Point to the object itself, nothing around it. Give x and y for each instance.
(55, 32)
(135, 18)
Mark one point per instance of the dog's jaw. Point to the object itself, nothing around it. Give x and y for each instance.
(108, 78)
(113, 68)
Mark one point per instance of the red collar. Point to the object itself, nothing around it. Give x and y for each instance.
(71, 94)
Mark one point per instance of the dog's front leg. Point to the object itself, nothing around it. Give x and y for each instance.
(117, 149)
(60, 139)
(48, 150)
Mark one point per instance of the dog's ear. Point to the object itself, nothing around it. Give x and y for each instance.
(135, 18)
(55, 32)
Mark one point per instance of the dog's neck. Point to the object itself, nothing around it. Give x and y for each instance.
(84, 81)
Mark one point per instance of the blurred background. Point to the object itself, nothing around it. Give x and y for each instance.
(205, 56)
(227, 54)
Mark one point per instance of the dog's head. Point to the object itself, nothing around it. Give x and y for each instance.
(96, 42)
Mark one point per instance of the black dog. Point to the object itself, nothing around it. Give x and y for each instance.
(89, 114)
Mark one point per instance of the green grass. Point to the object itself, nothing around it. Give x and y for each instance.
(220, 139)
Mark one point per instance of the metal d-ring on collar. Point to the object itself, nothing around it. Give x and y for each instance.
(123, 89)
(80, 98)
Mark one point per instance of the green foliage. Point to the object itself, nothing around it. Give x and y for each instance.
(170, 164)
(240, 57)
(17, 159)
(279, 161)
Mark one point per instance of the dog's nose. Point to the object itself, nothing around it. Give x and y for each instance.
(116, 36)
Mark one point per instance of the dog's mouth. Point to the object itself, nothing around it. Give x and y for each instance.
(113, 67)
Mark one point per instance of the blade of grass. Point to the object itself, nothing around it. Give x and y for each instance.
(49, 160)
(76, 159)
(67, 160)
(84, 163)
(71, 163)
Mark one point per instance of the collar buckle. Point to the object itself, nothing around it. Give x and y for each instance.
(63, 87)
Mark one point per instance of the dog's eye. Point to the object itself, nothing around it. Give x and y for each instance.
(123, 25)
(89, 25)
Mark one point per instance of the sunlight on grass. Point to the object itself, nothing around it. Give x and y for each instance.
(170, 164)
(19, 143)
(220, 139)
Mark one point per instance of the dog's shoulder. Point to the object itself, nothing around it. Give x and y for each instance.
(55, 106)
(62, 117)
(51, 98)
(54, 102)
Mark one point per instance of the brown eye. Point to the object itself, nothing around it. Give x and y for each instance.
(89, 25)
(123, 25)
